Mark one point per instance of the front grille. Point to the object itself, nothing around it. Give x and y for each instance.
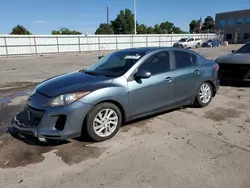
(234, 71)
(28, 118)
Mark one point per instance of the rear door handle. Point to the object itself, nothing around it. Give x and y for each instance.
(196, 72)
(169, 79)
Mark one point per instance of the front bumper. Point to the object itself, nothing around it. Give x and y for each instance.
(59, 123)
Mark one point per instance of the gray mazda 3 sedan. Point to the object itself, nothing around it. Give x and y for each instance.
(119, 87)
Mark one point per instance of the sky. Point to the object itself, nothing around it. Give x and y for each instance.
(43, 16)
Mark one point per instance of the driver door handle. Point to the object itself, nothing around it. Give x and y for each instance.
(169, 79)
(197, 72)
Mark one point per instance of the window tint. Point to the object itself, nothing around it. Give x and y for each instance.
(244, 49)
(248, 20)
(222, 23)
(189, 40)
(239, 20)
(194, 59)
(182, 59)
(158, 63)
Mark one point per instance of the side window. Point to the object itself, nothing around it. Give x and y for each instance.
(190, 40)
(182, 59)
(194, 59)
(158, 63)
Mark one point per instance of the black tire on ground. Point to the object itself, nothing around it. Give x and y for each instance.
(90, 120)
(198, 102)
(198, 45)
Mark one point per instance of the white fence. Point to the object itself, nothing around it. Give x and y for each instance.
(11, 45)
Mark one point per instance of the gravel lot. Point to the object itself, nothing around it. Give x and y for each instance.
(189, 147)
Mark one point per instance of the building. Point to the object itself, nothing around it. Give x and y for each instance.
(234, 25)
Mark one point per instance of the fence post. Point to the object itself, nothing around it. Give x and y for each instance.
(79, 44)
(6, 47)
(159, 41)
(99, 43)
(132, 39)
(171, 40)
(116, 42)
(57, 42)
(147, 41)
(35, 45)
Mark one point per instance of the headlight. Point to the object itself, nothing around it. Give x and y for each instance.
(66, 99)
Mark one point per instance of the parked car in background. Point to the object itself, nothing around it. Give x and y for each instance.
(235, 66)
(188, 43)
(119, 87)
(211, 43)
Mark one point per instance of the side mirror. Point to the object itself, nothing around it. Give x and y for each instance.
(233, 51)
(99, 57)
(142, 74)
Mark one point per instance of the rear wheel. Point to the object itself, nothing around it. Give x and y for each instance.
(204, 95)
(103, 121)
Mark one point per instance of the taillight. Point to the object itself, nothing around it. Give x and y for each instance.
(216, 67)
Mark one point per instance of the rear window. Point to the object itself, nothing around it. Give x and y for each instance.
(182, 59)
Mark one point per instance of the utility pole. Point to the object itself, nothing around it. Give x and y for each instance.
(135, 16)
(107, 15)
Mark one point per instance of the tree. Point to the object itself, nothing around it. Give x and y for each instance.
(65, 31)
(141, 29)
(208, 23)
(104, 29)
(150, 30)
(194, 26)
(20, 30)
(177, 30)
(124, 22)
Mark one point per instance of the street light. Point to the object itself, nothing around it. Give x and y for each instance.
(135, 16)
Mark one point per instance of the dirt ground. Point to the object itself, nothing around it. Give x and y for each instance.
(188, 147)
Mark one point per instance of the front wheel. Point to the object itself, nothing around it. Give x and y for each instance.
(204, 95)
(198, 45)
(103, 121)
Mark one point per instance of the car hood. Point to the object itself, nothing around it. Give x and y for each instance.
(234, 58)
(71, 82)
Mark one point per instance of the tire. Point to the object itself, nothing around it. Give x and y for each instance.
(92, 118)
(198, 45)
(201, 102)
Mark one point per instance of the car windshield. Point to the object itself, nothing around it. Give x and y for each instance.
(183, 40)
(209, 41)
(243, 49)
(115, 64)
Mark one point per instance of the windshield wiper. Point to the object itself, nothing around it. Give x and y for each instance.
(97, 73)
(92, 73)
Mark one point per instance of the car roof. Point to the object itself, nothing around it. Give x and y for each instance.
(152, 49)
(143, 49)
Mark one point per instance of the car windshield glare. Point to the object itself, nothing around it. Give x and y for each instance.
(243, 49)
(115, 64)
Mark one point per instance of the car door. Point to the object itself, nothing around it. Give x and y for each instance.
(146, 95)
(187, 75)
(191, 42)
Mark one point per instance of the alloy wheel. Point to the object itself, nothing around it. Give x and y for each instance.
(105, 122)
(205, 93)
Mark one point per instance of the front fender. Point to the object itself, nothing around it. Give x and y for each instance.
(112, 93)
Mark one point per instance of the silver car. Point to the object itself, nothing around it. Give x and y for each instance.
(118, 88)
